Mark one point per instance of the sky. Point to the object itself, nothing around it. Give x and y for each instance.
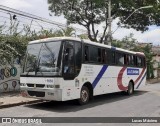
(40, 8)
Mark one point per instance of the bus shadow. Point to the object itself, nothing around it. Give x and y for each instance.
(72, 106)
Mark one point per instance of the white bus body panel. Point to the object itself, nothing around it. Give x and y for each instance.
(104, 79)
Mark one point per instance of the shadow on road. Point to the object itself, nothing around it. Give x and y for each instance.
(71, 106)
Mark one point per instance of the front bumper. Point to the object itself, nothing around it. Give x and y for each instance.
(44, 94)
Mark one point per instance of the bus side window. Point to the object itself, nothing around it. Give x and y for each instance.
(139, 61)
(120, 59)
(113, 57)
(94, 54)
(135, 60)
(131, 60)
(126, 59)
(99, 58)
(144, 62)
(103, 55)
(86, 54)
(108, 56)
(69, 58)
(78, 57)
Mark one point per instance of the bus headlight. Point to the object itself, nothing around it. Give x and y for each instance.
(50, 86)
(53, 86)
(22, 84)
(57, 86)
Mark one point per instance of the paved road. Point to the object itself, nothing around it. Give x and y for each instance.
(144, 103)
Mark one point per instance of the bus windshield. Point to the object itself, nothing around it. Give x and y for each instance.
(42, 59)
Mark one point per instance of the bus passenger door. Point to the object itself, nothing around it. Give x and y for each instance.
(68, 61)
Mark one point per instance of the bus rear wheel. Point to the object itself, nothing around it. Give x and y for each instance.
(84, 96)
(130, 90)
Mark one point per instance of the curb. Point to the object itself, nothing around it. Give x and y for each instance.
(153, 81)
(20, 103)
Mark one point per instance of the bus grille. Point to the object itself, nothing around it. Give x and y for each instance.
(37, 85)
(36, 93)
(30, 85)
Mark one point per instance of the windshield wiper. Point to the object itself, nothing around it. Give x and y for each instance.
(52, 54)
(32, 67)
(37, 67)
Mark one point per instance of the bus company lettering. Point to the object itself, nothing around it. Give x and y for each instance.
(88, 70)
(49, 81)
(131, 71)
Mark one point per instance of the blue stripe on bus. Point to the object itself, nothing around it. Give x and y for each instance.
(141, 80)
(99, 76)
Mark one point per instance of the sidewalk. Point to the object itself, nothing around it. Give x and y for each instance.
(11, 99)
(153, 81)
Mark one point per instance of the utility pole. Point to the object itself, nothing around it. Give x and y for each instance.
(109, 21)
(108, 37)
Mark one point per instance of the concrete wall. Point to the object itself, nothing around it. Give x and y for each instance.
(9, 78)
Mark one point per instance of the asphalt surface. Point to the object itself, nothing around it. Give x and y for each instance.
(144, 103)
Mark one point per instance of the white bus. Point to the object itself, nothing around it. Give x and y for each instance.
(65, 68)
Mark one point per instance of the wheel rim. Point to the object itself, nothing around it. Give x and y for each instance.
(131, 89)
(84, 95)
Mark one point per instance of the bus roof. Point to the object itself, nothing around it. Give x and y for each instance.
(85, 41)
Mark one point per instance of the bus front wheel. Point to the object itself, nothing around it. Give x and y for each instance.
(84, 96)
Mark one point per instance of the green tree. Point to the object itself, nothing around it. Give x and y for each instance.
(11, 47)
(117, 43)
(68, 31)
(90, 13)
(13, 43)
(149, 58)
(83, 36)
(128, 42)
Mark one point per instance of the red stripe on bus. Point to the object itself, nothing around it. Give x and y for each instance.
(120, 75)
(135, 82)
(119, 79)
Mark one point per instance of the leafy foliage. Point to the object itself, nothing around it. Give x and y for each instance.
(142, 18)
(13, 43)
(69, 31)
(84, 12)
(128, 42)
(90, 13)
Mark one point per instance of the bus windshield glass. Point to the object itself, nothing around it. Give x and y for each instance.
(42, 59)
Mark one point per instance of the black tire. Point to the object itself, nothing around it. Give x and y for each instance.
(130, 90)
(84, 96)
